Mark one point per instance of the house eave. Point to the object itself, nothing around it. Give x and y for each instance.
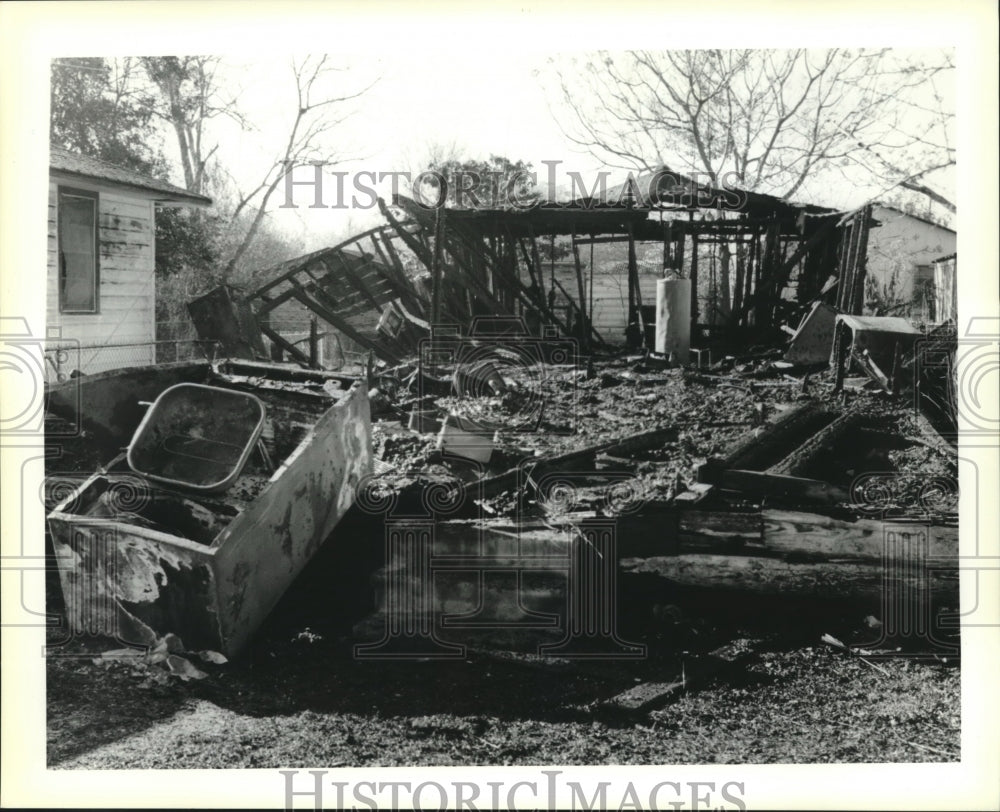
(159, 197)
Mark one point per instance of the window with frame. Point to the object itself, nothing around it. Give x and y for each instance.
(79, 270)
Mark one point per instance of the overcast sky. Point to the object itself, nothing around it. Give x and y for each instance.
(495, 104)
(496, 101)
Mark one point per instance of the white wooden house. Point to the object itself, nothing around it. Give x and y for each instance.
(101, 262)
(901, 256)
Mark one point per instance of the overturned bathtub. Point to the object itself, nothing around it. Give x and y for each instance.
(139, 558)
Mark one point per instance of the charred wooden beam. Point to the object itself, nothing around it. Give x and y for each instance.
(812, 537)
(355, 279)
(464, 270)
(392, 268)
(876, 585)
(821, 233)
(856, 303)
(779, 487)
(269, 303)
(290, 268)
(328, 315)
(411, 241)
(582, 309)
(593, 329)
(529, 264)
(694, 287)
(402, 287)
(570, 460)
(599, 240)
(634, 294)
(436, 265)
(726, 548)
(772, 445)
(737, 308)
(427, 257)
(288, 347)
(799, 460)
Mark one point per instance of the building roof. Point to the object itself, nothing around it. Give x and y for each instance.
(83, 166)
(666, 187)
(913, 216)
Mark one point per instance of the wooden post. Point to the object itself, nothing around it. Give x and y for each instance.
(514, 273)
(590, 304)
(694, 286)
(846, 268)
(734, 313)
(852, 259)
(313, 343)
(839, 354)
(634, 299)
(528, 261)
(584, 331)
(552, 263)
(537, 262)
(631, 277)
(767, 289)
(667, 239)
(751, 271)
(861, 263)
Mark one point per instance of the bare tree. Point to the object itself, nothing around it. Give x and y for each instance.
(321, 105)
(190, 95)
(760, 120)
(764, 120)
(188, 98)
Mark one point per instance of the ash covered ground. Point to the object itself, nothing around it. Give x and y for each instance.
(299, 697)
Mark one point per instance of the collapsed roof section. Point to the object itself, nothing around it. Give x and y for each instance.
(362, 287)
(742, 252)
(768, 243)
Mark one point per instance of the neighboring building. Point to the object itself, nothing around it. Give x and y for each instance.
(901, 256)
(609, 290)
(101, 262)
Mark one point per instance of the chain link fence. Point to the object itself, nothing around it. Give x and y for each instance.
(178, 341)
(175, 341)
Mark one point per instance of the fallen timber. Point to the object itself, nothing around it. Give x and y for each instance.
(138, 560)
(857, 583)
(519, 476)
(801, 535)
(555, 585)
(787, 535)
(769, 448)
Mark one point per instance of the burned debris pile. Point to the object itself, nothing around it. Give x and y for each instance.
(769, 443)
(147, 545)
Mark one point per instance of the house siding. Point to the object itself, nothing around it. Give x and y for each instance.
(127, 288)
(902, 245)
(610, 314)
(610, 285)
